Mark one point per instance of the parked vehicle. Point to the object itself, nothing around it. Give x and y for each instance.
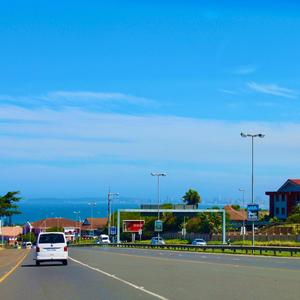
(27, 245)
(103, 239)
(157, 241)
(199, 242)
(51, 246)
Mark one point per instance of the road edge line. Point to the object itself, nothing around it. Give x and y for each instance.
(120, 279)
(13, 269)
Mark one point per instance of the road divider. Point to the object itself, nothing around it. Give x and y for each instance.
(235, 249)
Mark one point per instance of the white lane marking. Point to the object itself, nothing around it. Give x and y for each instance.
(141, 288)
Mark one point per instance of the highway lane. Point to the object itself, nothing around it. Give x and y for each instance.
(72, 282)
(166, 274)
(245, 260)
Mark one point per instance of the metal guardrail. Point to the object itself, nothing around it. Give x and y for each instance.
(232, 248)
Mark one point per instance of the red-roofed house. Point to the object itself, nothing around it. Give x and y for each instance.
(10, 233)
(93, 226)
(70, 227)
(285, 199)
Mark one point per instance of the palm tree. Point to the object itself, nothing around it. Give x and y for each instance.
(192, 197)
(8, 205)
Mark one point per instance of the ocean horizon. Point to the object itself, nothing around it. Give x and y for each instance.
(40, 208)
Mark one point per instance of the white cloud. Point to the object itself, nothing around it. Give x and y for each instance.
(230, 92)
(100, 96)
(73, 145)
(273, 89)
(245, 70)
(76, 99)
(73, 134)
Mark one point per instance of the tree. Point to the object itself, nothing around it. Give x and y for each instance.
(236, 206)
(55, 229)
(8, 206)
(28, 237)
(192, 197)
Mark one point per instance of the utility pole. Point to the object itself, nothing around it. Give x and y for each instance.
(92, 205)
(109, 199)
(243, 191)
(158, 175)
(260, 135)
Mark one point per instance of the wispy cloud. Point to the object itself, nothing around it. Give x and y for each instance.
(230, 92)
(245, 70)
(84, 99)
(85, 147)
(98, 96)
(273, 89)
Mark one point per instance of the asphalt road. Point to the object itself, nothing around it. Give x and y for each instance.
(116, 273)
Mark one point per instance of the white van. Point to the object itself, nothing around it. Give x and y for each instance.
(103, 239)
(51, 246)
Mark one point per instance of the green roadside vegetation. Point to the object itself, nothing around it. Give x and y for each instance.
(85, 242)
(259, 243)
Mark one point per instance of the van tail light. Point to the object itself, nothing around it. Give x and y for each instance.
(37, 249)
(65, 248)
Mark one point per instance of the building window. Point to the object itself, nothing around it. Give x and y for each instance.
(277, 198)
(283, 197)
(277, 210)
(283, 211)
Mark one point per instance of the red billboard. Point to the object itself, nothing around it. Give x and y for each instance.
(133, 225)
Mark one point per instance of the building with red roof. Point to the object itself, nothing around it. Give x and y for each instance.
(70, 227)
(285, 199)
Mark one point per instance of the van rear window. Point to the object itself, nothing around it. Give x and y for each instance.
(51, 238)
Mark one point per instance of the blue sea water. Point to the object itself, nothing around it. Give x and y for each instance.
(37, 209)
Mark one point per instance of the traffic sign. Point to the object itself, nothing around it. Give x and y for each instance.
(113, 230)
(158, 226)
(252, 212)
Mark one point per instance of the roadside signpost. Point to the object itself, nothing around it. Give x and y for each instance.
(113, 230)
(133, 225)
(252, 215)
(158, 226)
(252, 212)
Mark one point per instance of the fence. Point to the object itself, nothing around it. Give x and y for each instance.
(234, 236)
(213, 248)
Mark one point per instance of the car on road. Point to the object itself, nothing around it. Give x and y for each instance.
(199, 242)
(157, 241)
(51, 246)
(103, 239)
(27, 245)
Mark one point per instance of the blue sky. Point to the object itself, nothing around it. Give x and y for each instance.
(101, 94)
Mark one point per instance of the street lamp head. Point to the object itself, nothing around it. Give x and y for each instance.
(243, 134)
(158, 174)
(261, 135)
(241, 190)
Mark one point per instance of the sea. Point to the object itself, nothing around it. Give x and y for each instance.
(78, 208)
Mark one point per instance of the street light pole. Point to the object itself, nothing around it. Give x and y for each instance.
(158, 175)
(92, 205)
(260, 135)
(77, 213)
(109, 199)
(243, 191)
